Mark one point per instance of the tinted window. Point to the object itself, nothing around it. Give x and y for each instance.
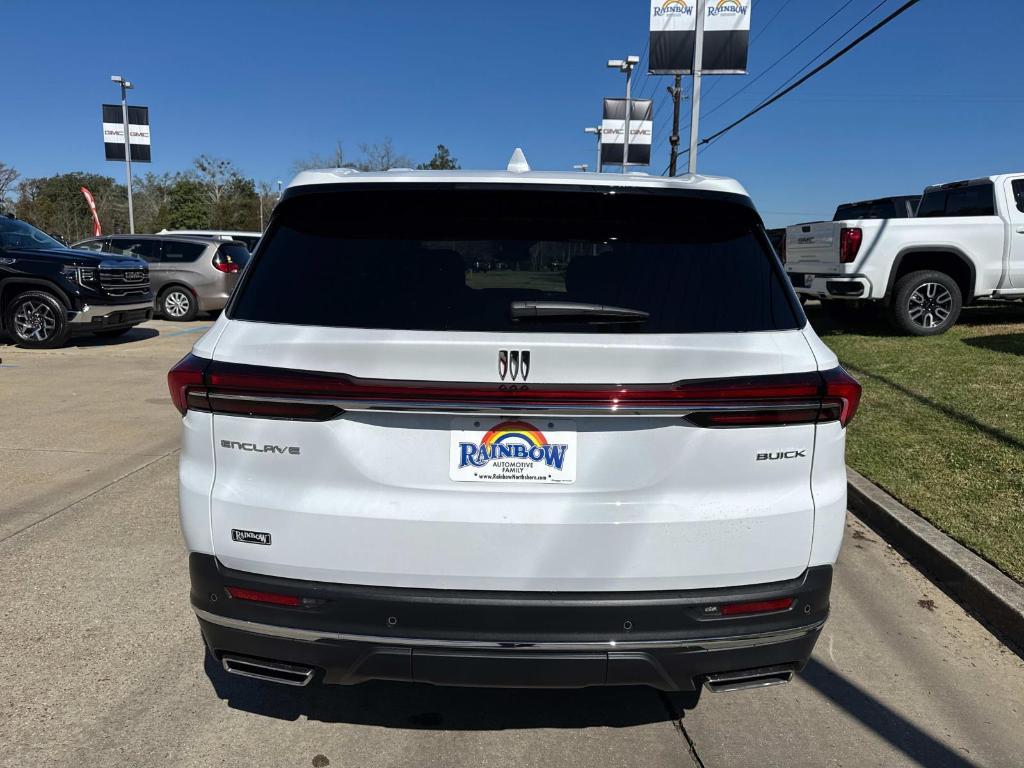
(182, 252)
(456, 260)
(974, 200)
(877, 210)
(92, 245)
(1018, 193)
(128, 246)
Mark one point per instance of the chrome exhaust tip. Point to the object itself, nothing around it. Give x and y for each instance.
(273, 671)
(762, 677)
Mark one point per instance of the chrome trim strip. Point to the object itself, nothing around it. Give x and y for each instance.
(701, 644)
(498, 408)
(91, 311)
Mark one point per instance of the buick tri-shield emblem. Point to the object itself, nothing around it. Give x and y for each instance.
(513, 364)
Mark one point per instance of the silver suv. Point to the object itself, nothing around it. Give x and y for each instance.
(189, 274)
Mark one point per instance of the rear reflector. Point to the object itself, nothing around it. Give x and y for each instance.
(279, 393)
(263, 597)
(759, 606)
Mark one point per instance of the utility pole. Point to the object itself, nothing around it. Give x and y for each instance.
(676, 92)
(626, 66)
(698, 62)
(125, 85)
(597, 132)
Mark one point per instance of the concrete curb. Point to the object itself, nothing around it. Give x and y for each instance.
(982, 588)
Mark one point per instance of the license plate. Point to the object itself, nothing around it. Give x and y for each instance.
(512, 451)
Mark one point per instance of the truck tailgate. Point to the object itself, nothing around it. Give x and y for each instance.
(813, 247)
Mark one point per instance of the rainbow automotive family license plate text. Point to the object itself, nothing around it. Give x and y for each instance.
(513, 451)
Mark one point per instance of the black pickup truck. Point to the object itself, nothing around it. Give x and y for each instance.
(49, 291)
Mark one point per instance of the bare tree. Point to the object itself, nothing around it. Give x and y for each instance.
(381, 157)
(316, 160)
(7, 178)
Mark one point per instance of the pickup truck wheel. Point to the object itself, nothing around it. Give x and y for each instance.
(178, 303)
(925, 303)
(37, 320)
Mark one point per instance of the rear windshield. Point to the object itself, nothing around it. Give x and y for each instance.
(463, 259)
(896, 208)
(234, 252)
(974, 200)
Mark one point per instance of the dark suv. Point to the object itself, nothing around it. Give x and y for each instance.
(49, 291)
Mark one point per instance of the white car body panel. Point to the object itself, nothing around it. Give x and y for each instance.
(658, 504)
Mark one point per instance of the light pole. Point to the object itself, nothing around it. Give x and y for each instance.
(626, 66)
(597, 132)
(125, 85)
(698, 62)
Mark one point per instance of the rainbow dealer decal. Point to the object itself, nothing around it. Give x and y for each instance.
(674, 31)
(515, 451)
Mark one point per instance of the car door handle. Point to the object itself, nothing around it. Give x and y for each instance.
(1020, 230)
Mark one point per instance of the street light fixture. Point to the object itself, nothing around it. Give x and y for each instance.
(125, 86)
(626, 67)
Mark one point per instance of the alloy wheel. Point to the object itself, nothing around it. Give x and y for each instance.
(35, 321)
(177, 304)
(930, 305)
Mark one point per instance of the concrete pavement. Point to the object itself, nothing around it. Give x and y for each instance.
(102, 662)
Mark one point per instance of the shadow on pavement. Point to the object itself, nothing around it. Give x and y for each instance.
(1010, 343)
(870, 320)
(907, 737)
(428, 707)
(92, 340)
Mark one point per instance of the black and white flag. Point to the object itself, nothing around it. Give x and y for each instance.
(613, 131)
(138, 132)
(674, 32)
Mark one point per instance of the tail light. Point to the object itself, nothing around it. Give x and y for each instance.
(185, 375)
(850, 239)
(280, 393)
(224, 263)
(239, 593)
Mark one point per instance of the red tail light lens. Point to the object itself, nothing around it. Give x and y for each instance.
(263, 597)
(186, 374)
(278, 393)
(850, 239)
(842, 396)
(759, 606)
(224, 264)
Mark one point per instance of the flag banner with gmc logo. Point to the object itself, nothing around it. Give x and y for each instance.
(674, 32)
(613, 131)
(138, 132)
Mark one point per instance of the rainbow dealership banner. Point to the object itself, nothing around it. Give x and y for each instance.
(613, 131)
(674, 31)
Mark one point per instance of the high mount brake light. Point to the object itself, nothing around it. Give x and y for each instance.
(280, 393)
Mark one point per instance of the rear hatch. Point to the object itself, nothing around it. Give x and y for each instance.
(501, 387)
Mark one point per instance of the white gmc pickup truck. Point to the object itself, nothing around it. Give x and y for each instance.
(966, 243)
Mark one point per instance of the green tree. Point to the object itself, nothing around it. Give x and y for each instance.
(56, 205)
(188, 204)
(441, 161)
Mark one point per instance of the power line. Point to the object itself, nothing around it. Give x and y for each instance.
(789, 89)
(787, 53)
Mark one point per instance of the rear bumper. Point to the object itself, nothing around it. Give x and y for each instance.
(350, 634)
(831, 286)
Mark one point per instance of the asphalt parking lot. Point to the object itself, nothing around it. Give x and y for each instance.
(103, 665)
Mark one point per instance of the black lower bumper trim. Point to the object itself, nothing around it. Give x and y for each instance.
(350, 634)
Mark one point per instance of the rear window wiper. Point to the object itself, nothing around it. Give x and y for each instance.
(573, 310)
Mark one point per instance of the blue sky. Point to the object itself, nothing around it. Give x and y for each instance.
(935, 96)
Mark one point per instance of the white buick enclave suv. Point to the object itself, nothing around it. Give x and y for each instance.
(513, 429)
